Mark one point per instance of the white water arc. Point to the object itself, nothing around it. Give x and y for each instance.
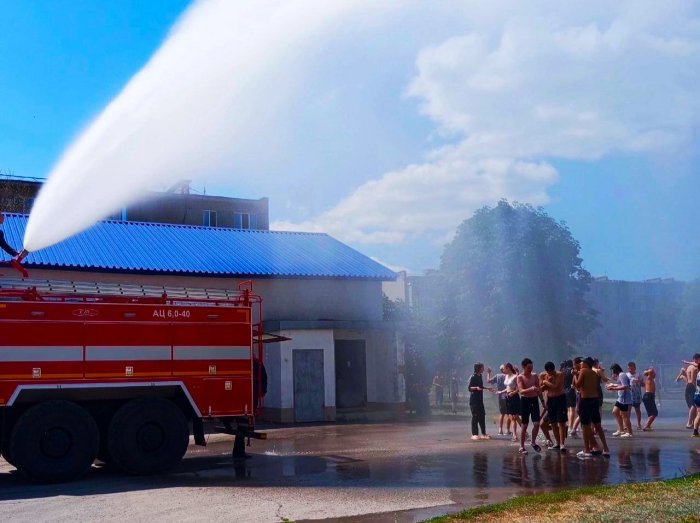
(185, 112)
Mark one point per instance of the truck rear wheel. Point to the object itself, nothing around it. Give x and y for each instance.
(7, 455)
(148, 436)
(54, 441)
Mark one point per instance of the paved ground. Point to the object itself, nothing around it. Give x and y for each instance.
(377, 472)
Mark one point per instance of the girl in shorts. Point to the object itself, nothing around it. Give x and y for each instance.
(512, 398)
(623, 405)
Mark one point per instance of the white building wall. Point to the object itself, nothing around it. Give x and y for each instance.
(281, 366)
(384, 358)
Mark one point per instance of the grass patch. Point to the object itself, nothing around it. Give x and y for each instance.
(671, 500)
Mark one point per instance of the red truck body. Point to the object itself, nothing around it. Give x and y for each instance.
(98, 352)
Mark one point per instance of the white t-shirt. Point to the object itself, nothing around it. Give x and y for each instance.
(510, 382)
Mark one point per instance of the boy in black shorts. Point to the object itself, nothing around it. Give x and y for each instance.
(553, 384)
(586, 381)
(529, 389)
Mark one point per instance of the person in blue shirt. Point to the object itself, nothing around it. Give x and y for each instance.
(623, 405)
(499, 381)
(636, 383)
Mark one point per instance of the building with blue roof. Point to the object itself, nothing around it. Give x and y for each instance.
(322, 294)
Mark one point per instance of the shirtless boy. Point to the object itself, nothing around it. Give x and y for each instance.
(689, 376)
(586, 381)
(649, 398)
(553, 384)
(529, 389)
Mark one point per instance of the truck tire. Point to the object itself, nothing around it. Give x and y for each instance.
(6, 454)
(54, 441)
(148, 436)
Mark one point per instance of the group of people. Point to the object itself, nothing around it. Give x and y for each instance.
(451, 383)
(558, 401)
(691, 375)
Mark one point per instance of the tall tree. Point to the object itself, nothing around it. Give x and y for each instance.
(514, 286)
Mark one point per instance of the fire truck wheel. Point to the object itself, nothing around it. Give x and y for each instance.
(7, 455)
(54, 441)
(148, 436)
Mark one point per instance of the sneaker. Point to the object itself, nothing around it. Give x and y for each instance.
(563, 449)
(549, 444)
(688, 426)
(625, 435)
(647, 429)
(501, 433)
(583, 454)
(618, 433)
(475, 437)
(596, 452)
(695, 435)
(484, 436)
(522, 451)
(606, 454)
(555, 448)
(536, 447)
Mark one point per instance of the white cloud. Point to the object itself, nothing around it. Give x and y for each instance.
(429, 199)
(523, 83)
(547, 87)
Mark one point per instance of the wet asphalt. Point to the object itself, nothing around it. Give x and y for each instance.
(351, 472)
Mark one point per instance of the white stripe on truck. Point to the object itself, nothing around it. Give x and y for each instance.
(195, 352)
(136, 353)
(41, 353)
(122, 353)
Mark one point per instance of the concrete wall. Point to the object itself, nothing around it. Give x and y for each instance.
(385, 358)
(188, 209)
(279, 402)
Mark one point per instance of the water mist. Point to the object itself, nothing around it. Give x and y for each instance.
(188, 110)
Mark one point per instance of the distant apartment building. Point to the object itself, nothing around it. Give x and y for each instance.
(178, 205)
(637, 319)
(17, 193)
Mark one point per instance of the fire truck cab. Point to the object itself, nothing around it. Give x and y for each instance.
(122, 374)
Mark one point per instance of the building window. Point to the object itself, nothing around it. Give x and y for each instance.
(253, 221)
(209, 219)
(241, 220)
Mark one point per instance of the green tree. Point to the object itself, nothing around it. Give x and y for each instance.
(418, 335)
(514, 287)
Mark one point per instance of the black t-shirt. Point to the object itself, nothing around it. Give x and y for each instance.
(478, 395)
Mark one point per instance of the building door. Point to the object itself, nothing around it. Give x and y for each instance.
(309, 385)
(350, 374)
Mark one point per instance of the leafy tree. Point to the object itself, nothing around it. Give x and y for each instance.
(513, 286)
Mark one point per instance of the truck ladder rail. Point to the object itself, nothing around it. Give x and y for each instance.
(27, 289)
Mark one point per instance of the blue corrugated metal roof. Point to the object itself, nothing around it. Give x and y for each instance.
(184, 249)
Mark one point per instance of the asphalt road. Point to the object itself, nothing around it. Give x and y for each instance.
(359, 472)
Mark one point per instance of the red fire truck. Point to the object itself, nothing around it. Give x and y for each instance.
(122, 374)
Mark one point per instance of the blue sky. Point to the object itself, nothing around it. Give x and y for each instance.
(398, 126)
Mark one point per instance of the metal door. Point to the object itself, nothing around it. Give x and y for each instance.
(350, 374)
(309, 387)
